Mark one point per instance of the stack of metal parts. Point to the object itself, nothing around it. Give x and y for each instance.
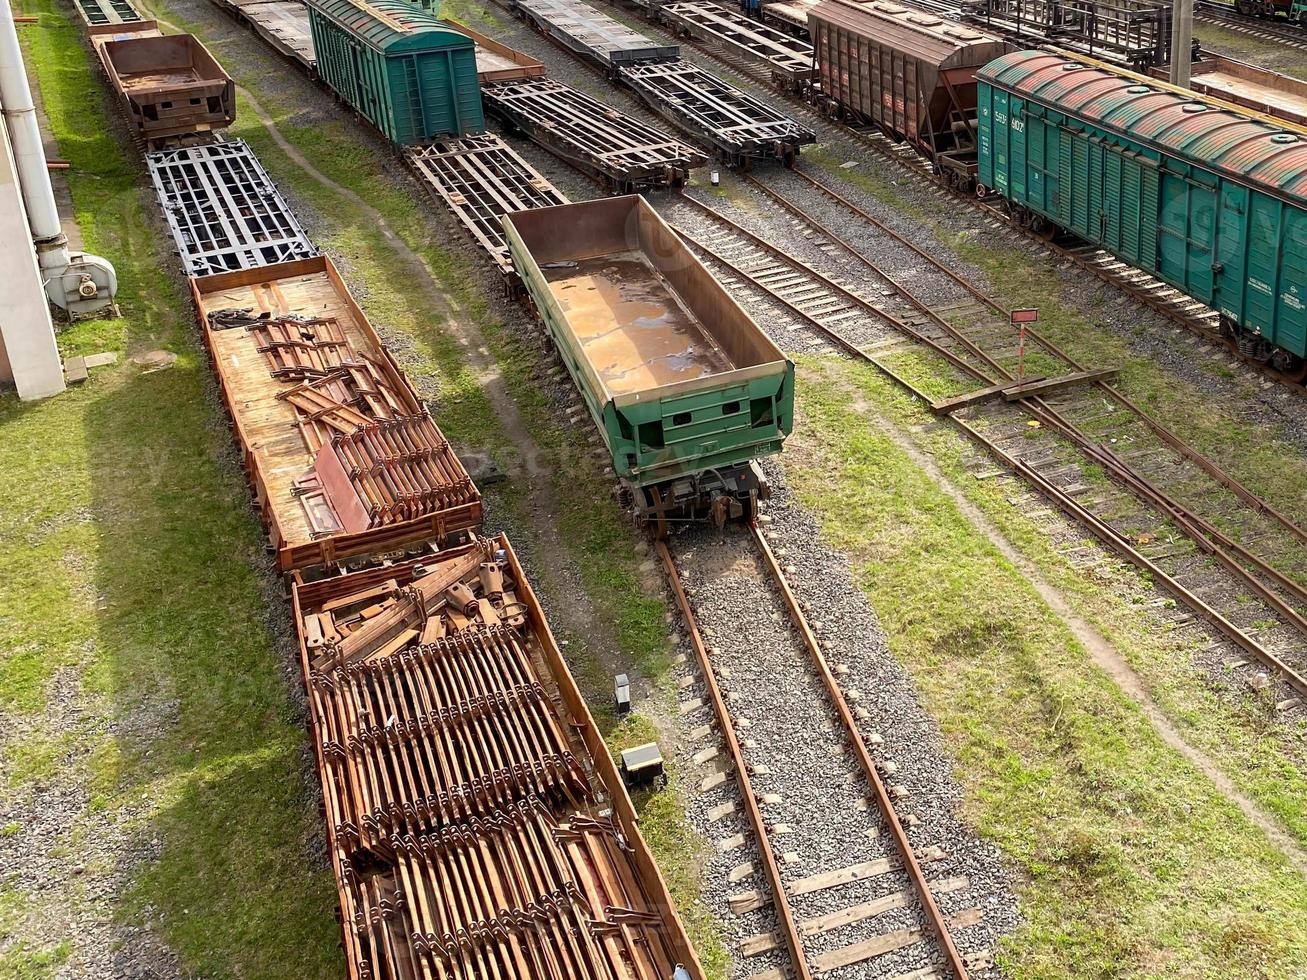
(465, 829)
(604, 141)
(379, 457)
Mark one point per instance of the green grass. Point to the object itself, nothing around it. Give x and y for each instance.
(1133, 864)
(135, 568)
(127, 554)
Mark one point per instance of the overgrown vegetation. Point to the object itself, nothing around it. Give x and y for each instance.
(1136, 864)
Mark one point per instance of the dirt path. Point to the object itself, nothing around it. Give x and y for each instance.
(1103, 653)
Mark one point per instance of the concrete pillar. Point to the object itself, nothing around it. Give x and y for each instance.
(30, 358)
(1182, 35)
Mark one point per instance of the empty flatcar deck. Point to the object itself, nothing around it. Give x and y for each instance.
(753, 39)
(108, 16)
(223, 210)
(480, 179)
(605, 142)
(594, 36)
(739, 127)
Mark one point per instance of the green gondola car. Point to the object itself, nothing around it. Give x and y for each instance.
(1208, 200)
(686, 389)
(411, 76)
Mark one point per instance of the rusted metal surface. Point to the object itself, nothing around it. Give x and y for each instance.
(614, 263)
(480, 179)
(476, 822)
(223, 210)
(498, 62)
(786, 922)
(1248, 86)
(170, 85)
(909, 72)
(605, 142)
(344, 458)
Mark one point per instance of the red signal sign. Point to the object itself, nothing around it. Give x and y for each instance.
(1025, 316)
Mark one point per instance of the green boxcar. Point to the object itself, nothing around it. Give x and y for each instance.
(1206, 199)
(413, 77)
(684, 386)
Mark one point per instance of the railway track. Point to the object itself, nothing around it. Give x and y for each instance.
(1263, 30)
(1160, 297)
(1232, 560)
(877, 899)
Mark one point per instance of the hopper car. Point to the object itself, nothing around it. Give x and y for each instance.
(1206, 199)
(906, 72)
(685, 389)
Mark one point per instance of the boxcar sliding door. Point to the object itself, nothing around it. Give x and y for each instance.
(1186, 234)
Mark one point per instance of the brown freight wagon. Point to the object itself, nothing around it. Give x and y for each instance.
(467, 790)
(170, 84)
(344, 459)
(906, 71)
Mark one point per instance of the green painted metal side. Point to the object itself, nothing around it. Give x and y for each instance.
(412, 85)
(660, 437)
(1239, 250)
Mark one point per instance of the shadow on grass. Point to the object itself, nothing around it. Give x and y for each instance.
(207, 730)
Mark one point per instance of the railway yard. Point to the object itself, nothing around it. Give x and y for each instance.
(535, 386)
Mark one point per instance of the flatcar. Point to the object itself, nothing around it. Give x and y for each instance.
(910, 73)
(1211, 201)
(684, 387)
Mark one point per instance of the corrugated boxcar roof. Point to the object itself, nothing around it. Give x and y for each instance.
(915, 32)
(1249, 150)
(384, 24)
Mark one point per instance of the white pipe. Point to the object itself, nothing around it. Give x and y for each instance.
(25, 137)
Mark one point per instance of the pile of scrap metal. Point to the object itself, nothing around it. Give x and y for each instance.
(474, 830)
(379, 458)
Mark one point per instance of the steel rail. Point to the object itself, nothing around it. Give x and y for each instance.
(1203, 532)
(918, 166)
(936, 920)
(1208, 465)
(1112, 538)
(788, 926)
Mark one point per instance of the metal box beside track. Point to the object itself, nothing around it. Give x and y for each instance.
(677, 376)
(170, 84)
(399, 67)
(1208, 200)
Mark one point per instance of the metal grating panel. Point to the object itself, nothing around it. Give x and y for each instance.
(108, 13)
(480, 179)
(223, 210)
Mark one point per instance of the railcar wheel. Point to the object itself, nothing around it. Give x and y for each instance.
(1288, 363)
